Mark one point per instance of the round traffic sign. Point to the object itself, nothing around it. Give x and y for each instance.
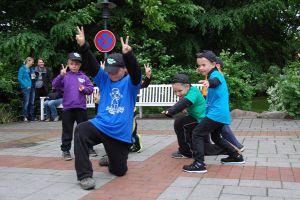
(105, 41)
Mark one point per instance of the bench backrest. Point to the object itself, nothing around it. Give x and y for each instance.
(153, 95)
(159, 95)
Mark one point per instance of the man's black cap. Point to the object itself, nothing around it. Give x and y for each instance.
(75, 56)
(114, 62)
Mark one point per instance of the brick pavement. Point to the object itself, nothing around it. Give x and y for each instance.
(31, 167)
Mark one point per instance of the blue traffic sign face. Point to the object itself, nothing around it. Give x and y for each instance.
(105, 41)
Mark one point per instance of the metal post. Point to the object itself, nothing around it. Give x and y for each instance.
(105, 6)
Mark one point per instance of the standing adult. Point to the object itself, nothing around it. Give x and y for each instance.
(43, 78)
(24, 78)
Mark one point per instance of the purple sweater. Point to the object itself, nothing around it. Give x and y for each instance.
(70, 82)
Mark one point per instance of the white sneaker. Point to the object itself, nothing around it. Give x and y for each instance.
(87, 183)
(56, 119)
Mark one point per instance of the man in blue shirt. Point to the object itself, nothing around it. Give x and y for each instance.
(217, 115)
(113, 124)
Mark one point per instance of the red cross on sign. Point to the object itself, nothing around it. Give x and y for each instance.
(105, 41)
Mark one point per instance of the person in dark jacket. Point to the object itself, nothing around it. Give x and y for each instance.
(136, 138)
(43, 78)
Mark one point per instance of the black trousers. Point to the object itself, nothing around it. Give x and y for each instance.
(183, 127)
(86, 134)
(68, 119)
(200, 132)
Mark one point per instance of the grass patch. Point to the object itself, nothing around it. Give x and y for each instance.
(259, 104)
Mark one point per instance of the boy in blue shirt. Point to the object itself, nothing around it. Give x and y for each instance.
(113, 124)
(217, 115)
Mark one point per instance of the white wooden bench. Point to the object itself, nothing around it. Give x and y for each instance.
(89, 102)
(154, 95)
(158, 95)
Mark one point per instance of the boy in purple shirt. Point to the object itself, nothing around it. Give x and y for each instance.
(75, 85)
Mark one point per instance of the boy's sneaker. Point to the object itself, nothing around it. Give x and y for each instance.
(233, 160)
(56, 119)
(104, 161)
(92, 153)
(66, 155)
(179, 155)
(25, 119)
(137, 144)
(47, 120)
(87, 183)
(195, 167)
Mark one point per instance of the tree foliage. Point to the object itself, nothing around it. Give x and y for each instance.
(167, 33)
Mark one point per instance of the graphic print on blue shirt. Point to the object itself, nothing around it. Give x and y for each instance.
(115, 111)
(114, 108)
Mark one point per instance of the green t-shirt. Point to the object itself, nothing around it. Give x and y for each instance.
(197, 110)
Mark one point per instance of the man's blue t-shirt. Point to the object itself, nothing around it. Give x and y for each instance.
(217, 100)
(115, 110)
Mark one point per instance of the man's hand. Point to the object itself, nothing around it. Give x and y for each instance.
(102, 64)
(125, 46)
(63, 70)
(148, 71)
(80, 38)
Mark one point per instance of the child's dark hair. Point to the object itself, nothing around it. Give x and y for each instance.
(181, 78)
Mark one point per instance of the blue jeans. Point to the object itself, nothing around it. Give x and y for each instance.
(28, 103)
(228, 135)
(50, 107)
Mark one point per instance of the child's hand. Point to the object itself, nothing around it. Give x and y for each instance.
(204, 82)
(125, 46)
(165, 112)
(97, 98)
(80, 38)
(147, 70)
(184, 111)
(63, 70)
(102, 64)
(81, 88)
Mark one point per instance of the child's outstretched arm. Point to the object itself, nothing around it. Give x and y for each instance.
(182, 104)
(131, 63)
(89, 61)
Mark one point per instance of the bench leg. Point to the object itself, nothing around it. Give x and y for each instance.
(141, 111)
(42, 108)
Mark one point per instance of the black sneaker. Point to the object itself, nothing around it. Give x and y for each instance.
(66, 155)
(179, 155)
(104, 161)
(233, 160)
(92, 153)
(137, 144)
(195, 167)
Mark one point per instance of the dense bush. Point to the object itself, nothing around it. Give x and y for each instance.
(262, 81)
(285, 94)
(238, 80)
